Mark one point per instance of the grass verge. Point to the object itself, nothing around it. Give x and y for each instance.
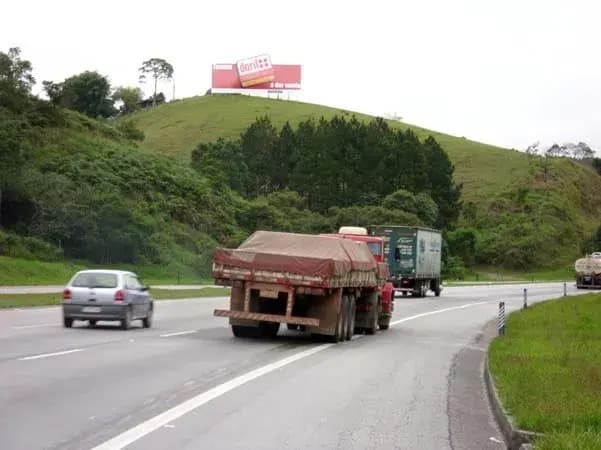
(24, 300)
(547, 369)
(502, 275)
(28, 272)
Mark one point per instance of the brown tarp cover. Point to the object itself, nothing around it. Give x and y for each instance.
(302, 254)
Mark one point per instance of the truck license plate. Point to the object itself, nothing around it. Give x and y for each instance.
(91, 309)
(268, 293)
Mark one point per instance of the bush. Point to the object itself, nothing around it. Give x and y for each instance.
(28, 247)
(130, 131)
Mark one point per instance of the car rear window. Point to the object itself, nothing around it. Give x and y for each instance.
(95, 280)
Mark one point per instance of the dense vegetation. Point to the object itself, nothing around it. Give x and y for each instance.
(339, 164)
(73, 187)
(78, 188)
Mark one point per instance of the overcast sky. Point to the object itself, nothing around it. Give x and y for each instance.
(503, 72)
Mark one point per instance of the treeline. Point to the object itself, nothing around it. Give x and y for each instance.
(71, 186)
(340, 164)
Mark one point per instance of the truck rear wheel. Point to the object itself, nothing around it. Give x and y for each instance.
(384, 323)
(352, 309)
(241, 331)
(269, 330)
(373, 319)
(341, 322)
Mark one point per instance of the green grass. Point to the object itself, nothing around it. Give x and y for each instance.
(26, 272)
(24, 300)
(547, 369)
(570, 440)
(496, 274)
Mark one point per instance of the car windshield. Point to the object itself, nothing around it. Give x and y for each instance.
(96, 280)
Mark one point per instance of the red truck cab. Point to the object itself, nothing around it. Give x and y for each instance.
(375, 244)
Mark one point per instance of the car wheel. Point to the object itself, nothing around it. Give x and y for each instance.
(92, 323)
(126, 321)
(147, 321)
(67, 322)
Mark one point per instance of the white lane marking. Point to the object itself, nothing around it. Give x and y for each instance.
(174, 413)
(48, 355)
(168, 425)
(39, 325)
(178, 333)
(133, 434)
(494, 439)
(436, 311)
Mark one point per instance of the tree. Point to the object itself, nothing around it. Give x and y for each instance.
(130, 97)
(421, 205)
(593, 243)
(580, 151)
(158, 69)
(16, 80)
(88, 93)
(597, 165)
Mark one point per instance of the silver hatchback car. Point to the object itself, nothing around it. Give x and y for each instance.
(95, 295)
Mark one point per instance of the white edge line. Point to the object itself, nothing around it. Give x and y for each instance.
(40, 325)
(139, 431)
(178, 333)
(437, 311)
(48, 355)
(174, 413)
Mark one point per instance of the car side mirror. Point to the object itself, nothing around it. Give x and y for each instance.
(145, 288)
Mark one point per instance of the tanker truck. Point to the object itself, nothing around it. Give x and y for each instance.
(588, 271)
(328, 287)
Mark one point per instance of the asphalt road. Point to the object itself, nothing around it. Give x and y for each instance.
(187, 383)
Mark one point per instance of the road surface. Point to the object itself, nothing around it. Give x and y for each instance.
(187, 383)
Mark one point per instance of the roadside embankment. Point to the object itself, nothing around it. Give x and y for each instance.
(547, 371)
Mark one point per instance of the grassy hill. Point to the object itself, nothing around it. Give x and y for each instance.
(512, 205)
(176, 128)
(88, 194)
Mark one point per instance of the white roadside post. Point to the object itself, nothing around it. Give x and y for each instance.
(525, 298)
(501, 321)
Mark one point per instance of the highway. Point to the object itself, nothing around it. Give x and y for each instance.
(187, 383)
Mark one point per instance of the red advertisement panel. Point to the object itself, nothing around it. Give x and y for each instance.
(285, 77)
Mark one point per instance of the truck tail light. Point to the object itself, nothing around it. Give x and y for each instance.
(66, 295)
(119, 295)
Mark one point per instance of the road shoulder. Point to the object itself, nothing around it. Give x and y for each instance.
(471, 422)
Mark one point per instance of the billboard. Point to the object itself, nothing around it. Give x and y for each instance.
(255, 73)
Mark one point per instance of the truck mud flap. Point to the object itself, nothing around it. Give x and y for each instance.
(261, 317)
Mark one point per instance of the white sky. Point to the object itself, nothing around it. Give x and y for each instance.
(503, 72)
